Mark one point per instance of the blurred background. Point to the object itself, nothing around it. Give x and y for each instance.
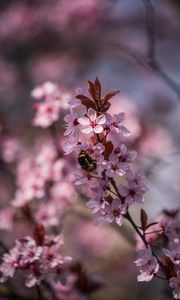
(131, 45)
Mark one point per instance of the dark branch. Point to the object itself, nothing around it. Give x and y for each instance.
(150, 29)
(39, 293)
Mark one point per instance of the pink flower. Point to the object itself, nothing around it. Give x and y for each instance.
(10, 149)
(174, 252)
(118, 209)
(47, 215)
(96, 203)
(92, 123)
(110, 212)
(114, 167)
(125, 156)
(7, 218)
(38, 261)
(147, 264)
(175, 285)
(135, 189)
(29, 251)
(72, 130)
(32, 280)
(103, 215)
(46, 114)
(67, 290)
(47, 89)
(114, 124)
(9, 264)
(49, 104)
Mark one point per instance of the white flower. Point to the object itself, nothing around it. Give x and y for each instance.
(92, 123)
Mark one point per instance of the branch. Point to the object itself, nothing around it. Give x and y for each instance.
(150, 29)
(39, 293)
(149, 60)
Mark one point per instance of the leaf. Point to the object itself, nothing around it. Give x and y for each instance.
(108, 149)
(151, 224)
(171, 213)
(108, 97)
(144, 219)
(92, 90)
(97, 89)
(39, 234)
(105, 107)
(86, 101)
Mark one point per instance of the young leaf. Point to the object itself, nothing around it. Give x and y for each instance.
(108, 149)
(105, 107)
(86, 101)
(108, 97)
(39, 234)
(144, 219)
(92, 90)
(98, 89)
(151, 224)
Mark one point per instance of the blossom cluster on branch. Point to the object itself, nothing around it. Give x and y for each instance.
(45, 190)
(97, 138)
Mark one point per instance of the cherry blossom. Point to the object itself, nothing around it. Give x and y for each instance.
(50, 102)
(174, 252)
(114, 166)
(175, 285)
(47, 215)
(92, 123)
(114, 124)
(72, 130)
(135, 189)
(39, 261)
(147, 264)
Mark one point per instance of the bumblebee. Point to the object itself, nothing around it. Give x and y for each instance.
(86, 162)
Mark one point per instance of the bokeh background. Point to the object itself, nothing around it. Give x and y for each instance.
(131, 45)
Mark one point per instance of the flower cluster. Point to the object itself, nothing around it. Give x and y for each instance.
(50, 101)
(164, 231)
(100, 136)
(39, 260)
(148, 265)
(45, 177)
(98, 140)
(43, 191)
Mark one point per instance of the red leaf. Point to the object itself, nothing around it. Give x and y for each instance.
(151, 224)
(144, 219)
(105, 107)
(98, 89)
(171, 213)
(108, 149)
(86, 101)
(39, 234)
(109, 96)
(92, 90)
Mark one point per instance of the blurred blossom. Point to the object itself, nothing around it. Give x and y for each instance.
(67, 291)
(11, 149)
(96, 242)
(51, 67)
(132, 122)
(175, 285)
(156, 141)
(47, 215)
(147, 264)
(50, 101)
(6, 218)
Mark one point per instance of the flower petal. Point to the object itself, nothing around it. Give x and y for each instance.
(101, 119)
(84, 121)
